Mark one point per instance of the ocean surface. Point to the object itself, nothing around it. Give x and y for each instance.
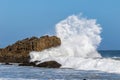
(14, 72)
(110, 53)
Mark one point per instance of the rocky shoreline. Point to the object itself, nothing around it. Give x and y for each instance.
(19, 51)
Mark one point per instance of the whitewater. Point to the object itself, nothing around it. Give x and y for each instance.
(80, 39)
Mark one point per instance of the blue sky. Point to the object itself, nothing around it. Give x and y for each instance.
(25, 18)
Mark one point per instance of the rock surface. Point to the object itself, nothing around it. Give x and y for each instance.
(47, 64)
(19, 51)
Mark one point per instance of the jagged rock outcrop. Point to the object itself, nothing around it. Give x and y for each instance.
(19, 51)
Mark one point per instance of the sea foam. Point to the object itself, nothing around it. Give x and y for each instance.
(80, 38)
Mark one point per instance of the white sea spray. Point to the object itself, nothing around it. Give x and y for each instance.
(80, 38)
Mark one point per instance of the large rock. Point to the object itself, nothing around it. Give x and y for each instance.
(49, 64)
(19, 51)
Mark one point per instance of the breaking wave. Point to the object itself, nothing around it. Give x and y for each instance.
(80, 38)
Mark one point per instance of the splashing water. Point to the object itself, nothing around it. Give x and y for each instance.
(80, 38)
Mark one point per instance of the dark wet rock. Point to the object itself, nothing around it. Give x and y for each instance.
(6, 63)
(27, 64)
(19, 51)
(49, 64)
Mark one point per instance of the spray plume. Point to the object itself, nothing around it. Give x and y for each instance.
(80, 38)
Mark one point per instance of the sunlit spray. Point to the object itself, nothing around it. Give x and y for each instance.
(80, 38)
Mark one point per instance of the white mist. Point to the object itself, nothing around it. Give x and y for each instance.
(80, 38)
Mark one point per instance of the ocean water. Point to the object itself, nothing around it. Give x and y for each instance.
(14, 72)
(110, 53)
